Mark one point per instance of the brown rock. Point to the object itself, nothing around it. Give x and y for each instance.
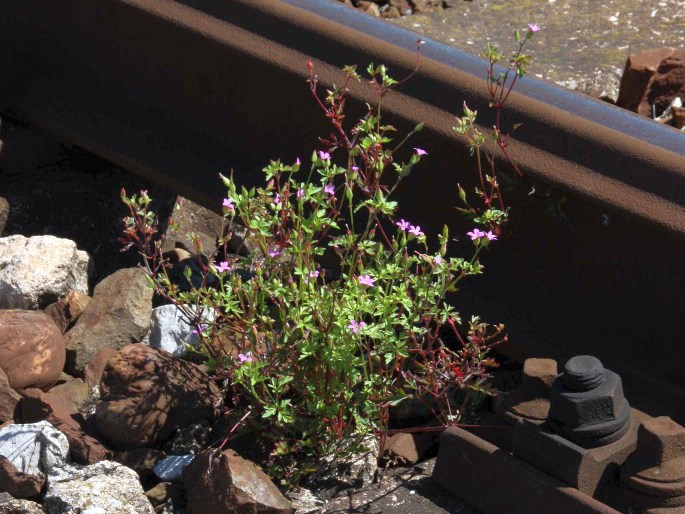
(678, 117)
(431, 5)
(118, 314)
(4, 212)
(226, 483)
(74, 392)
(82, 436)
(10, 505)
(67, 310)
(8, 399)
(402, 7)
(16, 483)
(31, 348)
(146, 394)
(369, 8)
(638, 75)
(141, 460)
(668, 83)
(166, 492)
(391, 12)
(408, 448)
(177, 255)
(92, 373)
(188, 218)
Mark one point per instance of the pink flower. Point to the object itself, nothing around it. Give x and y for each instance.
(355, 168)
(300, 193)
(354, 326)
(297, 161)
(274, 252)
(324, 155)
(277, 199)
(420, 151)
(245, 357)
(198, 330)
(415, 230)
(403, 225)
(223, 266)
(491, 236)
(329, 188)
(475, 234)
(365, 280)
(228, 204)
(312, 274)
(437, 260)
(533, 27)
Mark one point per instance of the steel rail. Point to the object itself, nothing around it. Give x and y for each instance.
(179, 90)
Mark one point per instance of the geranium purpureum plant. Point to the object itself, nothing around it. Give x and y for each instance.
(499, 86)
(315, 355)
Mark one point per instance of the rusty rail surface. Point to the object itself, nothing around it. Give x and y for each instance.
(181, 90)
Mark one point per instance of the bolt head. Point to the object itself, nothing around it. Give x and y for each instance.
(602, 403)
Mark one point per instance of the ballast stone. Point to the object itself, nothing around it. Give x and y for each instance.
(36, 271)
(34, 448)
(170, 330)
(103, 487)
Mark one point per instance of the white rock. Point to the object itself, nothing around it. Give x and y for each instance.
(9, 505)
(170, 330)
(170, 469)
(305, 502)
(34, 448)
(38, 270)
(106, 486)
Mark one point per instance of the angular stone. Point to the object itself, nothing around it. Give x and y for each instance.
(9, 399)
(678, 116)
(92, 373)
(224, 482)
(171, 468)
(668, 82)
(637, 74)
(108, 486)
(31, 348)
(84, 442)
(171, 331)
(75, 392)
(531, 400)
(165, 493)
(36, 271)
(189, 217)
(305, 502)
(369, 7)
(587, 405)
(65, 311)
(4, 213)
(118, 315)
(140, 460)
(654, 475)
(16, 483)
(408, 448)
(35, 448)
(653, 77)
(10, 505)
(192, 438)
(147, 394)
